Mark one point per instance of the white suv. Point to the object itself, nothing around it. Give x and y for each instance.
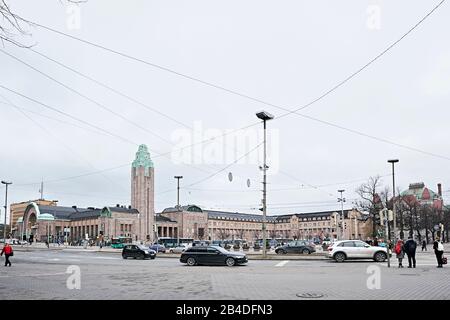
(356, 249)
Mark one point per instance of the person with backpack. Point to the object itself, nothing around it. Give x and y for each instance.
(438, 251)
(399, 252)
(8, 251)
(410, 247)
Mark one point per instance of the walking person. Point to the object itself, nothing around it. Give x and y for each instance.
(424, 245)
(399, 252)
(410, 247)
(8, 251)
(438, 251)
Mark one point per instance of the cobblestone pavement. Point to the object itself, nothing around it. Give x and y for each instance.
(42, 274)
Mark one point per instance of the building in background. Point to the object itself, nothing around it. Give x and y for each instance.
(143, 193)
(41, 222)
(196, 223)
(18, 209)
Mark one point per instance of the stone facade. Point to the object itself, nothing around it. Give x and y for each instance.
(142, 193)
(72, 224)
(196, 223)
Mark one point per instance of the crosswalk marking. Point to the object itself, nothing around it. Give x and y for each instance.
(282, 263)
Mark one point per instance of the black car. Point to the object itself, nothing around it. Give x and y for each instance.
(212, 255)
(137, 252)
(298, 247)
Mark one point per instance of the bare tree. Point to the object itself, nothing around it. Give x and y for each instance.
(222, 234)
(12, 25)
(370, 200)
(241, 233)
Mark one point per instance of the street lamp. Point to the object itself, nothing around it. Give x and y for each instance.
(6, 207)
(264, 116)
(342, 200)
(394, 161)
(178, 206)
(178, 189)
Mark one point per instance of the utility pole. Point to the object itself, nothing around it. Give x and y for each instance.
(264, 116)
(393, 161)
(178, 206)
(41, 190)
(6, 207)
(342, 200)
(178, 189)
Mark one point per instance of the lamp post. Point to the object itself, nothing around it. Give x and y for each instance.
(178, 205)
(394, 161)
(341, 199)
(6, 207)
(264, 116)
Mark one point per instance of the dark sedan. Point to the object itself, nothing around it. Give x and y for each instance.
(212, 255)
(297, 247)
(137, 252)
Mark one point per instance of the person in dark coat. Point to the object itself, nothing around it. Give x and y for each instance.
(410, 247)
(438, 251)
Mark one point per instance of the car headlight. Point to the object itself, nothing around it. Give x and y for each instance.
(146, 252)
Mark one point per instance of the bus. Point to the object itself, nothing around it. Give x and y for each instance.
(169, 242)
(119, 242)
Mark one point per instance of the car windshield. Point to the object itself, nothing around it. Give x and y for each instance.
(220, 249)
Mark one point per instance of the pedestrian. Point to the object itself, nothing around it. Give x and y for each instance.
(46, 243)
(8, 251)
(424, 245)
(410, 247)
(438, 251)
(375, 242)
(399, 252)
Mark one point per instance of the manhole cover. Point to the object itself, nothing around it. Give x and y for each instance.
(310, 295)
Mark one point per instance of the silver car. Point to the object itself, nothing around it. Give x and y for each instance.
(179, 249)
(356, 249)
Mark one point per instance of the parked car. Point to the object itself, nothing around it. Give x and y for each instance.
(299, 246)
(178, 249)
(356, 249)
(212, 255)
(137, 251)
(158, 247)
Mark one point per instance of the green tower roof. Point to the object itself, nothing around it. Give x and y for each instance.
(143, 158)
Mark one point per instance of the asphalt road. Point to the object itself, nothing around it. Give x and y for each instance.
(42, 274)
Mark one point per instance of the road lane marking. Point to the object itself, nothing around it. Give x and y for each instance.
(282, 263)
(34, 275)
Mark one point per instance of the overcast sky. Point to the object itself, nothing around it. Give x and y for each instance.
(286, 53)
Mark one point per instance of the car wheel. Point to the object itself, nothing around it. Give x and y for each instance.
(230, 262)
(191, 261)
(153, 258)
(125, 257)
(170, 251)
(142, 256)
(339, 257)
(305, 251)
(380, 256)
(281, 252)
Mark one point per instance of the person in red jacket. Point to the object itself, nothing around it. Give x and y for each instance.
(8, 251)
